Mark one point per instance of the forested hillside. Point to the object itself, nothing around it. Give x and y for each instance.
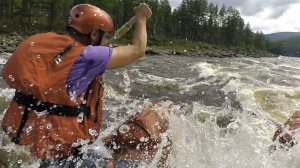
(289, 47)
(273, 37)
(193, 20)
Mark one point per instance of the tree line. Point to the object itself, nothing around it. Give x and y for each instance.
(194, 20)
(288, 47)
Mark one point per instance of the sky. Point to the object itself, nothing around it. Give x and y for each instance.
(268, 16)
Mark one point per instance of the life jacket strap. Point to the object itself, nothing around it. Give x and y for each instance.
(32, 103)
(16, 139)
(57, 58)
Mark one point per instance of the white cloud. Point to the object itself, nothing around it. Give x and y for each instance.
(175, 3)
(268, 16)
(288, 21)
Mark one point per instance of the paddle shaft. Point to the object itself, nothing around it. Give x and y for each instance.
(123, 30)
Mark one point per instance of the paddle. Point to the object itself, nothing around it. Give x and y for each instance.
(121, 31)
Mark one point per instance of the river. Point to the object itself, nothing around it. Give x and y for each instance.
(224, 111)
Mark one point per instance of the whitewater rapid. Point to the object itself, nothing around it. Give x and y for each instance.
(223, 111)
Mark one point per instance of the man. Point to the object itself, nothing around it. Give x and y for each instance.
(57, 107)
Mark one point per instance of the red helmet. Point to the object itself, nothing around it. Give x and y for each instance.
(86, 18)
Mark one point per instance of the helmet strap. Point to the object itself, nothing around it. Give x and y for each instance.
(82, 38)
(101, 33)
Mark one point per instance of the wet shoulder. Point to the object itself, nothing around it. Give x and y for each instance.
(96, 53)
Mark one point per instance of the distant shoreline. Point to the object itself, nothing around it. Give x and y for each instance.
(9, 42)
(206, 53)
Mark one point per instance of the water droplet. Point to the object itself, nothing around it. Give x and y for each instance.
(11, 78)
(9, 129)
(32, 43)
(19, 161)
(93, 132)
(29, 129)
(142, 139)
(82, 141)
(50, 147)
(75, 144)
(95, 14)
(79, 163)
(124, 129)
(49, 126)
(38, 56)
(84, 156)
(81, 13)
(73, 96)
(80, 118)
(58, 147)
(115, 147)
(138, 147)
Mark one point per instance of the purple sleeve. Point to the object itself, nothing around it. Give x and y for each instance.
(97, 57)
(92, 61)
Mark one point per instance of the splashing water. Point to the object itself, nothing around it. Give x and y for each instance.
(222, 112)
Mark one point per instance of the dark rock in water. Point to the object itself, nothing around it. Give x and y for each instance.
(224, 120)
(10, 43)
(13, 159)
(2, 42)
(13, 34)
(4, 54)
(8, 49)
(151, 52)
(175, 53)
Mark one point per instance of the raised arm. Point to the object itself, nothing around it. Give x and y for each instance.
(124, 55)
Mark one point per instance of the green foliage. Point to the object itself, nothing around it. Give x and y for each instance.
(289, 47)
(194, 20)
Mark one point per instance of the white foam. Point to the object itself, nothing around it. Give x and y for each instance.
(205, 69)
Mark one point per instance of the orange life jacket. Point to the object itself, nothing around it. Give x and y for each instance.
(42, 115)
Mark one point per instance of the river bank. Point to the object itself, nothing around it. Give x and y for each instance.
(216, 53)
(8, 43)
